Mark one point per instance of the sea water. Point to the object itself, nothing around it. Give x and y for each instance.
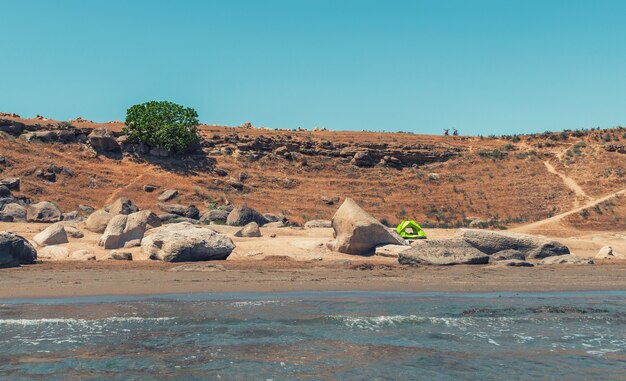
(317, 336)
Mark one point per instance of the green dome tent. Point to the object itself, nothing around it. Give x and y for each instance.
(411, 230)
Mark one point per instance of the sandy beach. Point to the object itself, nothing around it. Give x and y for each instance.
(296, 259)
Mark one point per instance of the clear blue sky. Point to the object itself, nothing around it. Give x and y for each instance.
(484, 67)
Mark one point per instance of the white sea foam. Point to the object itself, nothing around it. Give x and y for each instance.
(72, 321)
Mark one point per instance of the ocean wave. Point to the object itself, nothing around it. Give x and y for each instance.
(72, 321)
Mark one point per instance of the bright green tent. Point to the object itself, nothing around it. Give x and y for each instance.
(414, 230)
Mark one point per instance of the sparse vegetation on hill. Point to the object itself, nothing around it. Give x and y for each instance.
(163, 124)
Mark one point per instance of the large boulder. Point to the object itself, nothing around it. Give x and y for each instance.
(250, 230)
(189, 211)
(122, 206)
(14, 210)
(357, 232)
(183, 242)
(491, 242)
(43, 212)
(214, 215)
(97, 221)
(15, 250)
(54, 234)
(243, 215)
(123, 229)
(443, 252)
(102, 139)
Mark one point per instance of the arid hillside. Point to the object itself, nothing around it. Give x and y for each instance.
(442, 181)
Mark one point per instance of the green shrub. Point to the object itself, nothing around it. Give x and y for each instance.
(163, 124)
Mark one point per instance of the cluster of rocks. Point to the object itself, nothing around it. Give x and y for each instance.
(356, 232)
(473, 246)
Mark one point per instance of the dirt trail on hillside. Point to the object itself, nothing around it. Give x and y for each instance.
(570, 183)
(559, 217)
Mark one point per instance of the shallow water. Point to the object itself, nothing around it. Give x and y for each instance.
(317, 336)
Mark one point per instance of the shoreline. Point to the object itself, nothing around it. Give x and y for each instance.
(102, 279)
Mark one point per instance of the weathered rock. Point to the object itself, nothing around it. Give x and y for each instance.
(357, 232)
(271, 217)
(122, 229)
(167, 217)
(149, 188)
(214, 215)
(15, 250)
(103, 140)
(74, 232)
(443, 252)
(318, 224)
(16, 211)
(86, 209)
(97, 221)
(71, 216)
(605, 252)
(5, 192)
(43, 212)
(491, 242)
(52, 235)
(243, 215)
(390, 251)
(152, 220)
(167, 195)
(178, 219)
(82, 255)
(330, 200)
(120, 256)
(567, 259)
(184, 242)
(122, 206)
(509, 254)
(53, 253)
(250, 230)
(189, 211)
(46, 175)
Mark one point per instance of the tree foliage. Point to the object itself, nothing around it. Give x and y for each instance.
(163, 124)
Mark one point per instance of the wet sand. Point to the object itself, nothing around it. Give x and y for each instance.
(69, 278)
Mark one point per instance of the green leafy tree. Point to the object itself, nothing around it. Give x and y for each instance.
(163, 124)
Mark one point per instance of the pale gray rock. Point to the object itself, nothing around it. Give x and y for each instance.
(43, 212)
(243, 215)
(491, 242)
(318, 224)
(52, 235)
(122, 229)
(97, 221)
(357, 232)
(443, 252)
(250, 230)
(183, 242)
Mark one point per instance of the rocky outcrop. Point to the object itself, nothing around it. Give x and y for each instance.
(491, 242)
(243, 215)
(606, 252)
(184, 242)
(122, 205)
(13, 183)
(357, 232)
(250, 230)
(15, 250)
(97, 221)
(52, 235)
(11, 127)
(189, 211)
(214, 215)
(123, 229)
(43, 212)
(167, 195)
(443, 252)
(103, 140)
(15, 211)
